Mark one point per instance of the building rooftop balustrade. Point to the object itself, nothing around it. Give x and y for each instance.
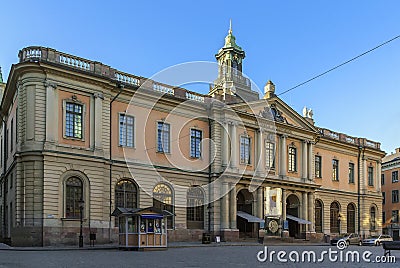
(44, 54)
(348, 139)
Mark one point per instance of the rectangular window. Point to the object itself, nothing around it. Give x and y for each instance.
(335, 169)
(383, 217)
(370, 176)
(11, 180)
(395, 196)
(12, 135)
(318, 166)
(126, 130)
(269, 154)
(395, 216)
(195, 143)
(383, 198)
(351, 173)
(395, 176)
(244, 150)
(383, 179)
(73, 120)
(163, 137)
(292, 159)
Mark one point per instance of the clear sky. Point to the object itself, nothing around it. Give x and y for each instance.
(285, 41)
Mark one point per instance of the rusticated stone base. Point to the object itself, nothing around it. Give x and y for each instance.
(285, 234)
(230, 235)
(185, 235)
(70, 235)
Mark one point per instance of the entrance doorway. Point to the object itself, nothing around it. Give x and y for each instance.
(292, 208)
(396, 235)
(245, 203)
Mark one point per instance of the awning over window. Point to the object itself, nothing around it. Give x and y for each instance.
(293, 218)
(248, 217)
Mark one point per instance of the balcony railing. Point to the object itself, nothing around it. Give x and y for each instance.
(44, 54)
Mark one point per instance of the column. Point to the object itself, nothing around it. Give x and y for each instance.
(278, 201)
(225, 144)
(98, 118)
(232, 206)
(267, 204)
(283, 204)
(378, 175)
(260, 207)
(51, 112)
(304, 168)
(260, 158)
(364, 176)
(310, 172)
(311, 215)
(305, 210)
(225, 206)
(234, 146)
(283, 156)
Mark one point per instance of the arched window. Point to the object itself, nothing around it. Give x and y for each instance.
(73, 194)
(318, 216)
(334, 217)
(125, 194)
(351, 218)
(195, 208)
(373, 218)
(163, 199)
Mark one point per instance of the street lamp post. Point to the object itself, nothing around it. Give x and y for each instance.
(81, 203)
(339, 218)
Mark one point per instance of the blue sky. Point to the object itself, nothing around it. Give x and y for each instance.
(285, 41)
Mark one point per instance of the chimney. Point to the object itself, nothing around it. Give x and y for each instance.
(397, 150)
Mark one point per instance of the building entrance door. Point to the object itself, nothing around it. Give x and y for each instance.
(292, 208)
(245, 204)
(396, 235)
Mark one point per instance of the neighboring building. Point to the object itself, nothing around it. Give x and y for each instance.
(60, 113)
(390, 193)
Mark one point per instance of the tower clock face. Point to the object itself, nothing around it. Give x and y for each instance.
(273, 226)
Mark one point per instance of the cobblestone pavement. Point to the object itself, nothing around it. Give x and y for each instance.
(220, 256)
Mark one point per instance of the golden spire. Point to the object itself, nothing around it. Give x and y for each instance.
(230, 26)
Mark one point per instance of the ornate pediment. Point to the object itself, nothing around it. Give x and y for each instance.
(272, 112)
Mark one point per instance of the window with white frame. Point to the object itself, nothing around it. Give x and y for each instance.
(163, 137)
(351, 172)
(195, 143)
(269, 154)
(335, 169)
(245, 149)
(292, 159)
(395, 176)
(318, 166)
(370, 176)
(126, 130)
(73, 120)
(73, 195)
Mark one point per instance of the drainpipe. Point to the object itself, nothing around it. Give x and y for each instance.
(3, 172)
(121, 87)
(209, 175)
(360, 150)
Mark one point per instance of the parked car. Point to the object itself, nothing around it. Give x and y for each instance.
(376, 240)
(353, 239)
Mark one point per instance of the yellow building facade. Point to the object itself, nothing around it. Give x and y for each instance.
(80, 139)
